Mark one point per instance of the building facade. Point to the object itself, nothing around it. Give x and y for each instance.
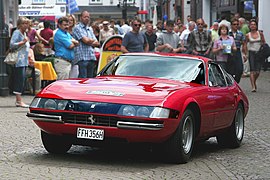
(99, 9)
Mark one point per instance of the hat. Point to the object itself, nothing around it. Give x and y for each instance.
(105, 22)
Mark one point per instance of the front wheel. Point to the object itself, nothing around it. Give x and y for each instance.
(55, 144)
(234, 136)
(179, 147)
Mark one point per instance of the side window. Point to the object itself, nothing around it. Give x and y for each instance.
(229, 79)
(216, 77)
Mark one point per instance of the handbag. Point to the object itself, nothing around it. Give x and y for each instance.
(263, 53)
(12, 56)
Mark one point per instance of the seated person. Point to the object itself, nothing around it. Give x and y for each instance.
(39, 52)
(31, 61)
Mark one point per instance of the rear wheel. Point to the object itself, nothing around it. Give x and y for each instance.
(179, 147)
(55, 144)
(234, 136)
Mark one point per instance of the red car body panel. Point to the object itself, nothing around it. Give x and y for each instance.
(217, 105)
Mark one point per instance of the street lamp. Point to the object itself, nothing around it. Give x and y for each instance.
(123, 5)
(3, 42)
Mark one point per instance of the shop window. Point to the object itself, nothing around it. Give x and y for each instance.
(38, 1)
(96, 1)
(60, 1)
(224, 2)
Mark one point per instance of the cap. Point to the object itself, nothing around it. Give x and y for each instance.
(105, 22)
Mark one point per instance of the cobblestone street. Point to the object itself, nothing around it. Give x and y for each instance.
(22, 155)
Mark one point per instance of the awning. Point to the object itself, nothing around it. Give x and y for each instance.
(142, 12)
(108, 12)
(47, 18)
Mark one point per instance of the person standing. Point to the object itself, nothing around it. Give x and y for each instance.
(135, 41)
(240, 42)
(200, 40)
(225, 22)
(254, 41)
(224, 47)
(151, 37)
(214, 31)
(71, 23)
(184, 36)
(47, 34)
(105, 32)
(243, 27)
(64, 49)
(169, 41)
(126, 27)
(19, 40)
(74, 72)
(84, 53)
(31, 33)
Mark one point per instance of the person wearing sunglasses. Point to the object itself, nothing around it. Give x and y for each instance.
(134, 40)
(200, 40)
(239, 39)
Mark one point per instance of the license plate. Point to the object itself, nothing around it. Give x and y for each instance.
(85, 133)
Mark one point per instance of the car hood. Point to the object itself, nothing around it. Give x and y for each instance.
(127, 90)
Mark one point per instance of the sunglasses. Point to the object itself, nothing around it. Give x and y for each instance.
(235, 24)
(200, 24)
(137, 25)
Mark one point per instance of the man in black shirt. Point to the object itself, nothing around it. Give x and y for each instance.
(151, 37)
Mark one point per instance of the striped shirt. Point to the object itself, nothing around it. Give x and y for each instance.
(83, 51)
(239, 38)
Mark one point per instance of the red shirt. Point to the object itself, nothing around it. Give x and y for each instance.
(46, 33)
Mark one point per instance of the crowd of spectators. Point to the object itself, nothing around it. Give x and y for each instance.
(71, 46)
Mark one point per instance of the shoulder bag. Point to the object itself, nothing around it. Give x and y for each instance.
(12, 56)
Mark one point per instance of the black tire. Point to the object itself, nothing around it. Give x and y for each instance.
(55, 144)
(179, 147)
(234, 136)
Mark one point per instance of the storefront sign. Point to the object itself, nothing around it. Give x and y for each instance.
(110, 49)
(42, 10)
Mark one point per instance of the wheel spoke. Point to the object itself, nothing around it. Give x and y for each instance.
(239, 125)
(187, 134)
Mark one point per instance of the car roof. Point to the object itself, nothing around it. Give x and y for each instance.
(169, 54)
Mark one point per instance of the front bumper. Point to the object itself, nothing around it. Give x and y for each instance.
(132, 130)
(119, 124)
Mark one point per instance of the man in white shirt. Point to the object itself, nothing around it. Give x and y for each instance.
(126, 28)
(185, 34)
(224, 21)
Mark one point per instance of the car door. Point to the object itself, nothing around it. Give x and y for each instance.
(221, 95)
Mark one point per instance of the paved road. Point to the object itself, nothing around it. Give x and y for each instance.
(22, 155)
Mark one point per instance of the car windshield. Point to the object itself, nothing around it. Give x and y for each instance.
(175, 68)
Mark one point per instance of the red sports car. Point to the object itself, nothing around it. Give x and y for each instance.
(171, 100)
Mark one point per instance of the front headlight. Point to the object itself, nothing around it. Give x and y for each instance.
(49, 103)
(129, 111)
(144, 111)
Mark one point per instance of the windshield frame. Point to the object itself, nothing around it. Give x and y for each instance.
(196, 67)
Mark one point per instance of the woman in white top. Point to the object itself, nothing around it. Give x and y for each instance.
(254, 39)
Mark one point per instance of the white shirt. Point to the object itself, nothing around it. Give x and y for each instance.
(126, 28)
(184, 36)
(227, 23)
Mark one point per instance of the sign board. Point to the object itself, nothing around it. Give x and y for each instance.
(110, 49)
(42, 10)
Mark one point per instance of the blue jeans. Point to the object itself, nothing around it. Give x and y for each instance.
(87, 69)
(18, 79)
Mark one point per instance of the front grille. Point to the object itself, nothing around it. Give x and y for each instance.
(96, 120)
(90, 120)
